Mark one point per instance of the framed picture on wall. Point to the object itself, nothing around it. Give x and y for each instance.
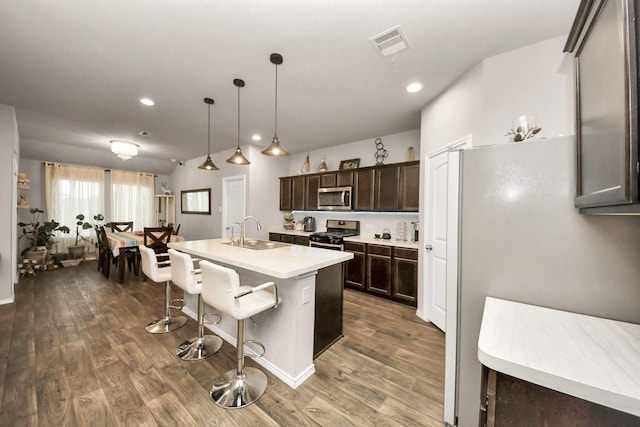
(196, 201)
(349, 164)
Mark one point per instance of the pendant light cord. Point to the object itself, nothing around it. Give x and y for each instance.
(275, 121)
(209, 131)
(238, 117)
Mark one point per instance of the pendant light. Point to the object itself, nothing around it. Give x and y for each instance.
(275, 149)
(238, 158)
(208, 164)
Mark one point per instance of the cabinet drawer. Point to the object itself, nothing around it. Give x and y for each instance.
(354, 247)
(380, 250)
(274, 237)
(301, 240)
(287, 238)
(406, 253)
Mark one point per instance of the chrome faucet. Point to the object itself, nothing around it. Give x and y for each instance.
(242, 227)
(232, 237)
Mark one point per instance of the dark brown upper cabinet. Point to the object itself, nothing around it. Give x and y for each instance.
(384, 188)
(297, 193)
(311, 192)
(363, 189)
(409, 200)
(603, 40)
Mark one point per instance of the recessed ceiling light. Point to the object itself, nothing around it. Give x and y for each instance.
(147, 101)
(256, 137)
(414, 87)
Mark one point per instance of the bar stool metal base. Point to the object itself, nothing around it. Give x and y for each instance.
(199, 348)
(166, 324)
(233, 391)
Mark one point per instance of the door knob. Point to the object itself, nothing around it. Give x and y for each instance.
(428, 247)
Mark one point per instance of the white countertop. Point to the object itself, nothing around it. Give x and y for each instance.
(282, 230)
(386, 242)
(283, 263)
(587, 357)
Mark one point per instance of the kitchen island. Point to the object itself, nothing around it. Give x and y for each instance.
(288, 332)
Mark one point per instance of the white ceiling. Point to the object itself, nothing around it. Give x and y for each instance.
(75, 70)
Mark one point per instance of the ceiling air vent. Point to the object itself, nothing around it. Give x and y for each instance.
(146, 133)
(390, 42)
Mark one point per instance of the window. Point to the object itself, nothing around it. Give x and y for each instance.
(132, 198)
(73, 190)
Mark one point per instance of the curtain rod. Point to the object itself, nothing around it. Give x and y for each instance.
(89, 167)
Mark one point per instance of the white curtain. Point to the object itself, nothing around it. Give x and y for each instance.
(132, 198)
(69, 191)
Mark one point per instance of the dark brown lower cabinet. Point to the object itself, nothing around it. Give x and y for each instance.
(289, 238)
(509, 401)
(379, 269)
(390, 272)
(356, 272)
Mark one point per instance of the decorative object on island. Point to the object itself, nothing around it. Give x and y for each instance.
(322, 167)
(76, 251)
(523, 127)
(381, 153)
(208, 163)
(238, 158)
(124, 149)
(275, 149)
(349, 164)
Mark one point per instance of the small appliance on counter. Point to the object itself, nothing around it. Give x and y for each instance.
(309, 223)
(416, 229)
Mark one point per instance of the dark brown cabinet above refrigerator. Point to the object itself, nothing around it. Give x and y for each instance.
(384, 188)
(603, 40)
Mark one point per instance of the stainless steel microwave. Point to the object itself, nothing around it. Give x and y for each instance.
(334, 198)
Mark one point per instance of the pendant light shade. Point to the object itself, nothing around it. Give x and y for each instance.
(275, 149)
(208, 164)
(238, 158)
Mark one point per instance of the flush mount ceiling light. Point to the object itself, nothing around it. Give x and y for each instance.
(124, 149)
(414, 87)
(275, 149)
(238, 158)
(256, 137)
(147, 101)
(208, 164)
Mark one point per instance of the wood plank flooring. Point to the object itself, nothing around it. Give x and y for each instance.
(74, 352)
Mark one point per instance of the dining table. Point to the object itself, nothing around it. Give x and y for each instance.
(120, 241)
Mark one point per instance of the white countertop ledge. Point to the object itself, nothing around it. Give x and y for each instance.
(282, 263)
(587, 357)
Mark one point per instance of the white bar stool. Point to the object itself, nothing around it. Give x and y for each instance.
(221, 289)
(160, 271)
(189, 279)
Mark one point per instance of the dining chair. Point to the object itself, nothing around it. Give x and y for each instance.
(157, 238)
(122, 226)
(105, 258)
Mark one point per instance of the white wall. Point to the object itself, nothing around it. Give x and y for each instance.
(9, 146)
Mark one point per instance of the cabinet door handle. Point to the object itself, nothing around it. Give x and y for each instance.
(428, 247)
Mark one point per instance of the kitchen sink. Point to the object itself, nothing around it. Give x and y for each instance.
(259, 245)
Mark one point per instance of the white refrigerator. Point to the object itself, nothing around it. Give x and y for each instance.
(522, 239)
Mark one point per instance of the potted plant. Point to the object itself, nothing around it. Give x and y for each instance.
(77, 251)
(40, 236)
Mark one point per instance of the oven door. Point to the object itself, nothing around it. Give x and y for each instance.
(331, 246)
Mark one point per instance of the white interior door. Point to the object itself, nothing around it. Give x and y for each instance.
(436, 237)
(233, 202)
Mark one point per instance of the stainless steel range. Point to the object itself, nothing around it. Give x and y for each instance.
(333, 238)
